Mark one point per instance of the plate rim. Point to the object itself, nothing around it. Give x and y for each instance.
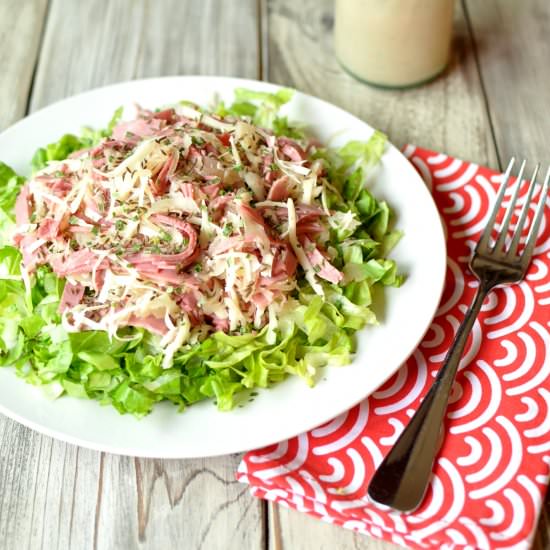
(235, 82)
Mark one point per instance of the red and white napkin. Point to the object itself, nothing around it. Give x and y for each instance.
(491, 475)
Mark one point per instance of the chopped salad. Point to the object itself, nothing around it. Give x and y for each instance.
(189, 253)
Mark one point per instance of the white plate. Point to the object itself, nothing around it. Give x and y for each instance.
(291, 407)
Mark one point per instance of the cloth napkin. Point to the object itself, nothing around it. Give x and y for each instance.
(491, 474)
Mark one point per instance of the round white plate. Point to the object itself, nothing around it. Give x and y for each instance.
(291, 407)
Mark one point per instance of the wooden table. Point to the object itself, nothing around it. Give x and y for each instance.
(492, 102)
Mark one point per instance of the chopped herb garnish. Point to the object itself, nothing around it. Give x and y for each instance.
(211, 269)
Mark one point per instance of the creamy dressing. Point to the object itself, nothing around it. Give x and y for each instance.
(393, 42)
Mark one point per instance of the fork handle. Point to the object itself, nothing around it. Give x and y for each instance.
(402, 478)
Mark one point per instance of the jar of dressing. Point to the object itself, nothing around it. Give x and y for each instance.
(393, 43)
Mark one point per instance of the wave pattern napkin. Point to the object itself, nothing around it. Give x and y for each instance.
(491, 474)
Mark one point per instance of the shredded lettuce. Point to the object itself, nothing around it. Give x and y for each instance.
(263, 109)
(10, 185)
(126, 372)
(59, 150)
(69, 143)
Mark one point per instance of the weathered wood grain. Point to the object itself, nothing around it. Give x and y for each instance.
(292, 530)
(458, 113)
(55, 495)
(513, 49)
(95, 42)
(173, 503)
(21, 23)
(448, 114)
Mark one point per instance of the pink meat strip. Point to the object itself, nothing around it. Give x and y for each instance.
(76, 263)
(188, 302)
(231, 243)
(284, 263)
(303, 212)
(49, 229)
(165, 267)
(164, 276)
(304, 227)
(22, 208)
(255, 226)
(161, 184)
(24, 242)
(187, 190)
(139, 127)
(262, 298)
(72, 294)
(217, 206)
(291, 149)
(279, 190)
(324, 268)
(211, 190)
(169, 115)
(150, 323)
(220, 324)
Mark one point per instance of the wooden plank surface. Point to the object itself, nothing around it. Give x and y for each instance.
(449, 114)
(83, 47)
(292, 530)
(513, 48)
(512, 45)
(21, 23)
(511, 40)
(55, 495)
(59, 496)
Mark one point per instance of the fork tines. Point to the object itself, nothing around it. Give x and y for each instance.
(522, 222)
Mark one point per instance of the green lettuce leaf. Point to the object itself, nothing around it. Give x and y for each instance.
(58, 150)
(364, 154)
(10, 185)
(69, 143)
(263, 109)
(126, 371)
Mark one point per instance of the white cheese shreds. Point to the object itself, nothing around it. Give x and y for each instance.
(166, 225)
(299, 251)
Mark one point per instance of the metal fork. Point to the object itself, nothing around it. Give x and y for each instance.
(402, 478)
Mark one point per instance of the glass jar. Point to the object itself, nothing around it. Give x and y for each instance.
(393, 43)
